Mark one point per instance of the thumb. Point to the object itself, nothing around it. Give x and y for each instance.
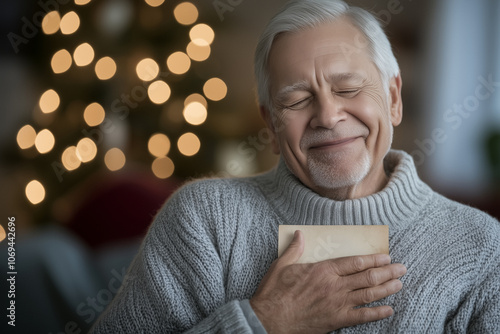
(294, 251)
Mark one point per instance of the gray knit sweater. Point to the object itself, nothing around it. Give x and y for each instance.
(214, 240)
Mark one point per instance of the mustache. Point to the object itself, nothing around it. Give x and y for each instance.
(315, 137)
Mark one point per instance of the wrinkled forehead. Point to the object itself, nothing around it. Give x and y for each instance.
(335, 47)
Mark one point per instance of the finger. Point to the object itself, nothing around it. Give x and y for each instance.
(374, 276)
(355, 264)
(368, 314)
(369, 295)
(294, 250)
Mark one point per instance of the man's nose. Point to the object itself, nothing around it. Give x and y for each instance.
(328, 111)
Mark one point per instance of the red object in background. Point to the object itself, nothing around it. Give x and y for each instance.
(119, 208)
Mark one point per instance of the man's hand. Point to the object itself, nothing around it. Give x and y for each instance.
(324, 296)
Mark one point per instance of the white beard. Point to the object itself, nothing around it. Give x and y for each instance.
(329, 171)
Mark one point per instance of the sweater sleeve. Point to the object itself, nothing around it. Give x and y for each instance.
(486, 315)
(176, 281)
(479, 310)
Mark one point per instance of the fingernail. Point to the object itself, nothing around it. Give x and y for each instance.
(384, 258)
(401, 270)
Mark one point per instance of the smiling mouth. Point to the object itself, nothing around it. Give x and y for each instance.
(334, 143)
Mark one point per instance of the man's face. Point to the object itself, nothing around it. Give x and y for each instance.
(332, 119)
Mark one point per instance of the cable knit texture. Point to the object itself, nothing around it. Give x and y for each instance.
(213, 241)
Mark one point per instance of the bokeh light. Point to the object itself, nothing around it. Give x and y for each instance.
(186, 13)
(69, 23)
(81, 2)
(114, 159)
(147, 69)
(172, 113)
(49, 101)
(202, 34)
(188, 144)
(215, 89)
(44, 141)
(51, 22)
(61, 61)
(69, 159)
(154, 3)
(195, 113)
(198, 52)
(26, 137)
(178, 62)
(159, 145)
(84, 54)
(159, 92)
(3, 234)
(86, 150)
(196, 98)
(163, 167)
(35, 192)
(94, 114)
(105, 68)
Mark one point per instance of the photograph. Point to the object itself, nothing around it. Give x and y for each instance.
(237, 166)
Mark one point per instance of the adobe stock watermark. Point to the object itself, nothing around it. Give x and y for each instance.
(360, 42)
(223, 6)
(454, 117)
(119, 111)
(31, 28)
(92, 307)
(393, 7)
(249, 148)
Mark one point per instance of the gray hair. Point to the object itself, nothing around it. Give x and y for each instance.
(298, 15)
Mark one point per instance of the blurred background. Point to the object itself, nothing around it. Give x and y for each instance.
(108, 106)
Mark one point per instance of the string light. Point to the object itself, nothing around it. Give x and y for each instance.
(3, 234)
(215, 89)
(44, 141)
(195, 98)
(35, 192)
(188, 144)
(70, 23)
(61, 61)
(94, 114)
(159, 145)
(84, 54)
(51, 22)
(155, 3)
(26, 137)
(193, 109)
(49, 101)
(86, 150)
(105, 68)
(159, 92)
(198, 52)
(178, 63)
(195, 113)
(147, 69)
(163, 167)
(202, 34)
(186, 13)
(81, 2)
(69, 159)
(114, 159)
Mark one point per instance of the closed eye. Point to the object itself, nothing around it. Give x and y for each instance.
(299, 105)
(348, 93)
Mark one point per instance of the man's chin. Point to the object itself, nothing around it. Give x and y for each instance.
(339, 175)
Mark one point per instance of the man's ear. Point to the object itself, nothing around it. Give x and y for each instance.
(396, 103)
(267, 117)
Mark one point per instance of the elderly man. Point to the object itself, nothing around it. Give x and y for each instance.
(330, 91)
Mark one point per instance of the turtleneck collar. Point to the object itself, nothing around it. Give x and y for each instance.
(396, 205)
